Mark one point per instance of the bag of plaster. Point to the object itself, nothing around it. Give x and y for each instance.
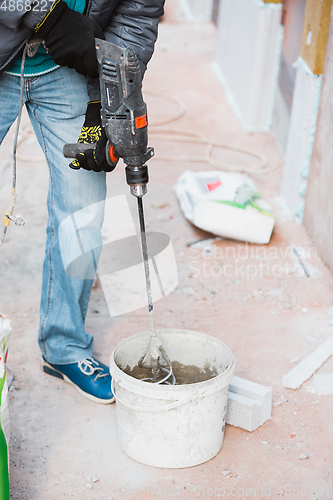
(4, 414)
(227, 204)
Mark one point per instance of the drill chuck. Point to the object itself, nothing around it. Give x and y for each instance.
(137, 172)
(137, 178)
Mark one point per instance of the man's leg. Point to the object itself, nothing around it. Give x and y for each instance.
(56, 105)
(10, 102)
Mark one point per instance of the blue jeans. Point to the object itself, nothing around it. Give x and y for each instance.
(56, 104)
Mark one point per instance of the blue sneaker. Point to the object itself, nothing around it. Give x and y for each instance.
(90, 377)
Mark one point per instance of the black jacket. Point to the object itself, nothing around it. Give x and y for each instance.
(127, 23)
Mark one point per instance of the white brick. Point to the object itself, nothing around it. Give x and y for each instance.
(306, 368)
(249, 404)
(250, 389)
(243, 412)
(323, 383)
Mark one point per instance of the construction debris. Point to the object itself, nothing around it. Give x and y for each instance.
(203, 243)
(226, 472)
(323, 383)
(163, 204)
(249, 404)
(308, 366)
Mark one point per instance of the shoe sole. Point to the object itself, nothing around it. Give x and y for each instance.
(46, 368)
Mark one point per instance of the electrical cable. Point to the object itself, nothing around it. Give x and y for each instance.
(168, 97)
(188, 136)
(9, 212)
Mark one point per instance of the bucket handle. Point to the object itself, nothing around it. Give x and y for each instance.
(155, 409)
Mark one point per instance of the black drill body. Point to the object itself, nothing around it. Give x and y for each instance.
(124, 112)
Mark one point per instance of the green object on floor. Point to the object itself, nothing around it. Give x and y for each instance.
(5, 328)
(4, 478)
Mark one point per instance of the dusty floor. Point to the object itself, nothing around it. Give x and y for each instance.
(268, 316)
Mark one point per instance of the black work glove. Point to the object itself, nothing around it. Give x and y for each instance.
(93, 133)
(70, 38)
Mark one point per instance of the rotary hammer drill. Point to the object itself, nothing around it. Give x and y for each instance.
(123, 114)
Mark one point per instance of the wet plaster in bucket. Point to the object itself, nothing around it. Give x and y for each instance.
(184, 374)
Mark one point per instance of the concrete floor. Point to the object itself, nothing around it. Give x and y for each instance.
(59, 440)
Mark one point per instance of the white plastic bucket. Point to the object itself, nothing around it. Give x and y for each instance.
(172, 426)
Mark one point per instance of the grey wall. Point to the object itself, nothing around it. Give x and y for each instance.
(293, 17)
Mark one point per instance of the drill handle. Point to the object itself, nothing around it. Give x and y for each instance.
(71, 150)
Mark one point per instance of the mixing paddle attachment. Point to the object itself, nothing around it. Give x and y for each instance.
(155, 357)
